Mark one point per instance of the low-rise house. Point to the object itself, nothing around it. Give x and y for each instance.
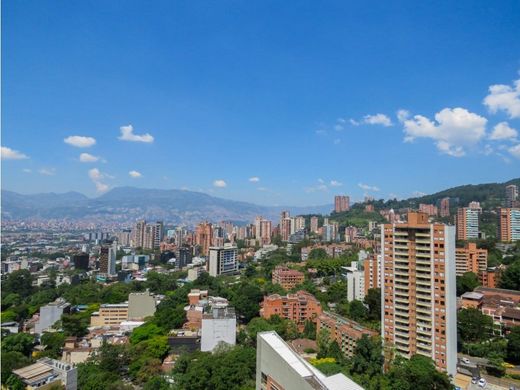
(344, 331)
(298, 307)
(46, 373)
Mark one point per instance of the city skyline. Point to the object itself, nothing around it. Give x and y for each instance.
(275, 108)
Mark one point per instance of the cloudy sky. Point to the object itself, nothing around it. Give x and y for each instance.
(264, 101)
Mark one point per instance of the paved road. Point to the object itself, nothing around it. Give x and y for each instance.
(473, 359)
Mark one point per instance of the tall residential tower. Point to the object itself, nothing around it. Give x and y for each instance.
(419, 290)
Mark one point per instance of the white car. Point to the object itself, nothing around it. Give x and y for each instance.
(465, 360)
(482, 383)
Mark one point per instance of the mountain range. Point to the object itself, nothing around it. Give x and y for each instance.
(126, 204)
(123, 204)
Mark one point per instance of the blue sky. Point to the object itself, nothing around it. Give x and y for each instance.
(303, 96)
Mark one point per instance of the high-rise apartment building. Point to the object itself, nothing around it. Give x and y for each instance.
(341, 203)
(470, 259)
(372, 274)
(148, 235)
(467, 223)
(222, 260)
(299, 224)
(107, 259)
(445, 207)
(204, 237)
(258, 228)
(474, 205)
(355, 282)
(285, 228)
(509, 224)
(511, 196)
(419, 290)
(330, 232)
(265, 232)
(314, 224)
(81, 261)
(158, 234)
(139, 234)
(429, 209)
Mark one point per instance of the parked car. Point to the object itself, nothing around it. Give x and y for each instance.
(482, 383)
(465, 360)
(474, 380)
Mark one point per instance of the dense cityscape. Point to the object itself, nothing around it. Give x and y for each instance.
(334, 301)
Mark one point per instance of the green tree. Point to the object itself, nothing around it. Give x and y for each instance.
(15, 383)
(92, 377)
(467, 282)
(418, 372)
(246, 300)
(373, 301)
(474, 326)
(11, 360)
(75, 324)
(145, 332)
(157, 383)
(53, 342)
(18, 282)
(357, 311)
(160, 283)
(309, 331)
(513, 345)
(510, 279)
(19, 342)
(317, 254)
(116, 293)
(366, 365)
(224, 369)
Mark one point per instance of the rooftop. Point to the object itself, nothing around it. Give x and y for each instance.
(472, 295)
(308, 372)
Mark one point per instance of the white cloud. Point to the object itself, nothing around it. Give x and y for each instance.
(47, 171)
(335, 183)
(377, 119)
(488, 149)
(127, 134)
(338, 127)
(367, 187)
(96, 176)
(454, 129)
(219, 183)
(88, 158)
(101, 187)
(321, 186)
(418, 193)
(254, 179)
(402, 115)
(27, 170)
(337, 141)
(504, 98)
(502, 131)
(341, 120)
(80, 141)
(515, 151)
(10, 154)
(135, 174)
